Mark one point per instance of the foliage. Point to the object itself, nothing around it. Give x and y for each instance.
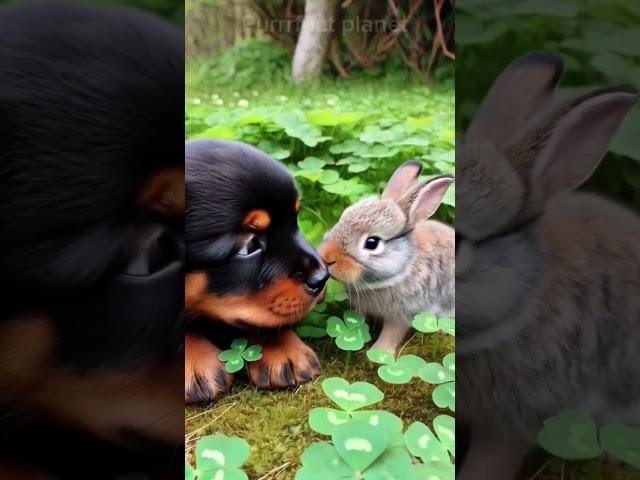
(599, 42)
(342, 141)
(218, 457)
(366, 35)
(351, 333)
(396, 370)
(370, 444)
(444, 376)
(426, 322)
(239, 353)
(247, 63)
(573, 435)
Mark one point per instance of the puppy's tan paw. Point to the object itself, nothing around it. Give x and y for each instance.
(286, 361)
(205, 378)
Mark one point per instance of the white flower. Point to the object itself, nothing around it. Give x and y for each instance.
(219, 102)
(236, 94)
(196, 101)
(243, 103)
(255, 93)
(331, 101)
(282, 98)
(215, 96)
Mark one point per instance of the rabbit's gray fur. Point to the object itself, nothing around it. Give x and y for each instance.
(415, 271)
(548, 280)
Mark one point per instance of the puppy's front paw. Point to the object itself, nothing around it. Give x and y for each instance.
(286, 361)
(205, 378)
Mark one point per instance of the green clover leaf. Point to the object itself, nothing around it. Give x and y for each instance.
(380, 355)
(321, 461)
(622, 442)
(444, 396)
(351, 397)
(325, 420)
(394, 371)
(445, 428)
(394, 463)
(422, 443)
(351, 333)
(235, 357)
(425, 322)
(436, 374)
(359, 444)
(219, 456)
(360, 451)
(434, 471)
(189, 472)
(570, 435)
(447, 325)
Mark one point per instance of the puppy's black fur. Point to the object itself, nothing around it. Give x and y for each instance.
(91, 108)
(244, 280)
(225, 181)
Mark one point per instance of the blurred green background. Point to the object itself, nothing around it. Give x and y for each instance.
(600, 44)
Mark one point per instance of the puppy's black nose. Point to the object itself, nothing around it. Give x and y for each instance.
(316, 282)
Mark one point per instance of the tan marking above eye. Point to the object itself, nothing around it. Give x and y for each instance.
(257, 220)
(298, 205)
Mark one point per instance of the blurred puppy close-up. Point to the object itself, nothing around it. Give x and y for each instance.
(91, 208)
(250, 272)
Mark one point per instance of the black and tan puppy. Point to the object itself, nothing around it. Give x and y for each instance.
(250, 271)
(91, 214)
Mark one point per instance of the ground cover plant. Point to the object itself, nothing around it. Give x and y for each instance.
(341, 139)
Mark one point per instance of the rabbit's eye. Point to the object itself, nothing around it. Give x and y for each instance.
(372, 243)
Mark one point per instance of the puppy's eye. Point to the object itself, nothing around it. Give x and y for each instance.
(373, 243)
(251, 246)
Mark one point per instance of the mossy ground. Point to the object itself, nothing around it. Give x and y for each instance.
(275, 423)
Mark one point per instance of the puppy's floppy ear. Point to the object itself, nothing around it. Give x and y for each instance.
(524, 86)
(425, 200)
(164, 193)
(402, 180)
(577, 137)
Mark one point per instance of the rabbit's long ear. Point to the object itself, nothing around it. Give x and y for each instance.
(576, 137)
(425, 200)
(402, 180)
(525, 86)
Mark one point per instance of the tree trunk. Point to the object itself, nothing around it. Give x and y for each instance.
(313, 41)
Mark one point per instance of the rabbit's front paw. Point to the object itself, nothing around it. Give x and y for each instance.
(286, 361)
(205, 378)
(391, 336)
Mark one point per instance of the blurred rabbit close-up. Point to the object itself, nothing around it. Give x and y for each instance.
(547, 277)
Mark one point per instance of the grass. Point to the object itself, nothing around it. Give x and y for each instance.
(275, 423)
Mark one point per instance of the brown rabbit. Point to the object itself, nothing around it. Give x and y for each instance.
(393, 262)
(547, 279)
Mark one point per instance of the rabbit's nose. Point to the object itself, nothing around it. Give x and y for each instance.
(328, 251)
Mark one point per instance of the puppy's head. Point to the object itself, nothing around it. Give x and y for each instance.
(248, 263)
